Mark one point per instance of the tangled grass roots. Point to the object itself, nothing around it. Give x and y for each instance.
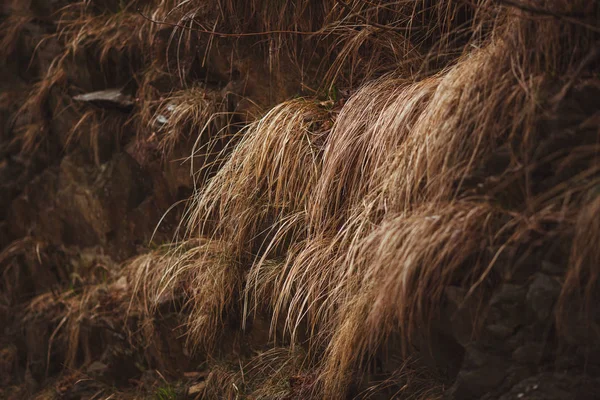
(277, 373)
(322, 216)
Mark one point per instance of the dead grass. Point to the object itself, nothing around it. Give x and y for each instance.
(71, 314)
(357, 41)
(578, 297)
(188, 113)
(203, 278)
(385, 207)
(116, 43)
(268, 178)
(349, 224)
(277, 373)
(10, 30)
(407, 382)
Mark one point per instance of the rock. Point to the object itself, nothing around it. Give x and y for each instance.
(84, 216)
(197, 388)
(552, 268)
(80, 204)
(507, 311)
(480, 373)
(8, 364)
(97, 368)
(121, 284)
(554, 386)
(34, 211)
(529, 353)
(121, 186)
(31, 384)
(196, 374)
(501, 330)
(542, 295)
(108, 98)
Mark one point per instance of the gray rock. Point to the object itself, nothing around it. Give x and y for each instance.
(529, 353)
(107, 98)
(481, 372)
(542, 295)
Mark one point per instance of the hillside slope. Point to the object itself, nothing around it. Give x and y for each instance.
(292, 200)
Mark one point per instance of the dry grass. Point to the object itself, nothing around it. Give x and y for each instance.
(118, 41)
(277, 373)
(71, 314)
(188, 113)
(10, 30)
(579, 295)
(409, 382)
(356, 41)
(203, 278)
(31, 121)
(385, 203)
(450, 242)
(268, 178)
(349, 224)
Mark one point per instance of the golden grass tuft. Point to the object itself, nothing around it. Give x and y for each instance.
(414, 257)
(268, 178)
(187, 113)
(376, 119)
(202, 277)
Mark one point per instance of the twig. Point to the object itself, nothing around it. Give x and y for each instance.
(375, 24)
(571, 18)
(587, 60)
(223, 34)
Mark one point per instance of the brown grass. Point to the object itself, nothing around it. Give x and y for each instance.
(268, 178)
(71, 314)
(188, 113)
(347, 220)
(388, 205)
(10, 30)
(579, 295)
(277, 373)
(203, 278)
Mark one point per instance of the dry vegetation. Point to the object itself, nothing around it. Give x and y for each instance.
(353, 163)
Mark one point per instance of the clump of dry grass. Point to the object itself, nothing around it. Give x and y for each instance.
(377, 119)
(31, 121)
(204, 278)
(30, 267)
(70, 315)
(296, 138)
(386, 217)
(414, 256)
(125, 38)
(117, 41)
(11, 29)
(269, 177)
(578, 297)
(276, 373)
(187, 113)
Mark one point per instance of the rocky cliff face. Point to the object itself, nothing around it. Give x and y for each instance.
(319, 199)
